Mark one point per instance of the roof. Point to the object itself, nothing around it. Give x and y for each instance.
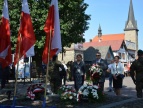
(90, 52)
(131, 19)
(110, 37)
(104, 50)
(115, 44)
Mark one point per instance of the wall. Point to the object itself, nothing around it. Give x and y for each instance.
(132, 36)
(68, 56)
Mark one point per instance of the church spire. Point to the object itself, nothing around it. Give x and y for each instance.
(99, 31)
(131, 23)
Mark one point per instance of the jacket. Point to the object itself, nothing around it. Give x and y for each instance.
(137, 66)
(104, 66)
(77, 66)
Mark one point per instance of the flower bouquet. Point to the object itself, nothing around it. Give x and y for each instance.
(96, 72)
(35, 91)
(90, 93)
(67, 93)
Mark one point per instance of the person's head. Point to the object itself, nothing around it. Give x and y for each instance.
(140, 53)
(116, 59)
(98, 55)
(79, 57)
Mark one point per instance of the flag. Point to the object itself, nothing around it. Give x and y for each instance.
(5, 43)
(26, 37)
(52, 29)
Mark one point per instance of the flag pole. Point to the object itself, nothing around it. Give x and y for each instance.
(47, 71)
(16, 74)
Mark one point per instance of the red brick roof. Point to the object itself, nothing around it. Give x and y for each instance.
(110, 37)
(115, 44)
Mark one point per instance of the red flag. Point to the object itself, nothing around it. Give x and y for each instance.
(52, 29)
(5, 44)
(26, 37)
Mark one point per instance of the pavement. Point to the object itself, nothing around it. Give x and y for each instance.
(127, 90)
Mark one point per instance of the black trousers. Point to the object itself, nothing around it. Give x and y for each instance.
(64, 79)
(3, 82)
(139, 88)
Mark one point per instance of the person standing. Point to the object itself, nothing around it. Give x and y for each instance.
(5, 76)
(125, 70)
(117, 69)
(78, 72)
(64, 72)
(54, 74)
(103, 64)
(110, 76)
(136, 72)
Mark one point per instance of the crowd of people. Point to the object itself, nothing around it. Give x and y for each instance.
(116, 69)
(59, 73)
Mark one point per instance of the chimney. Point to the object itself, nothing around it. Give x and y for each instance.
(90, 40)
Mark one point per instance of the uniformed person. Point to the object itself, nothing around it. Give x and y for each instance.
(136, 71)
(55, 77)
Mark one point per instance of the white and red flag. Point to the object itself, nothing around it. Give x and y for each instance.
(26, 37)
(52, 29)
(5, 43)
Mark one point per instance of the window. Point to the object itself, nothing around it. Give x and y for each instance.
(123, 55)
(119, 55)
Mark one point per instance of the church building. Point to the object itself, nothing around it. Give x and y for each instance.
(130, 35)
(124, 44)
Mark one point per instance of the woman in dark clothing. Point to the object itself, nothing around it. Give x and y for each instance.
(78, 72)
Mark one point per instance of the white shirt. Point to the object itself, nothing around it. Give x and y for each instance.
(64, 67)
(117, 68)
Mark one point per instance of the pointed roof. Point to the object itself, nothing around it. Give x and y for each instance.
(99, 29)
(89, 53)
(131, 23)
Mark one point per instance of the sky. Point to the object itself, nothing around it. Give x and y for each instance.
(112, 15)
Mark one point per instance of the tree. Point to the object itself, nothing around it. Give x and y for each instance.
(73, 21)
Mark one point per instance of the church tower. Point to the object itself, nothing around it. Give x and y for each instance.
(131, 30)
(99, 33)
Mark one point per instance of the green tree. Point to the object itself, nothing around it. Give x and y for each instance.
(73, 21)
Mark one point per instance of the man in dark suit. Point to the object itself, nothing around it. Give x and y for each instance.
(136, 71)
(103, 64)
